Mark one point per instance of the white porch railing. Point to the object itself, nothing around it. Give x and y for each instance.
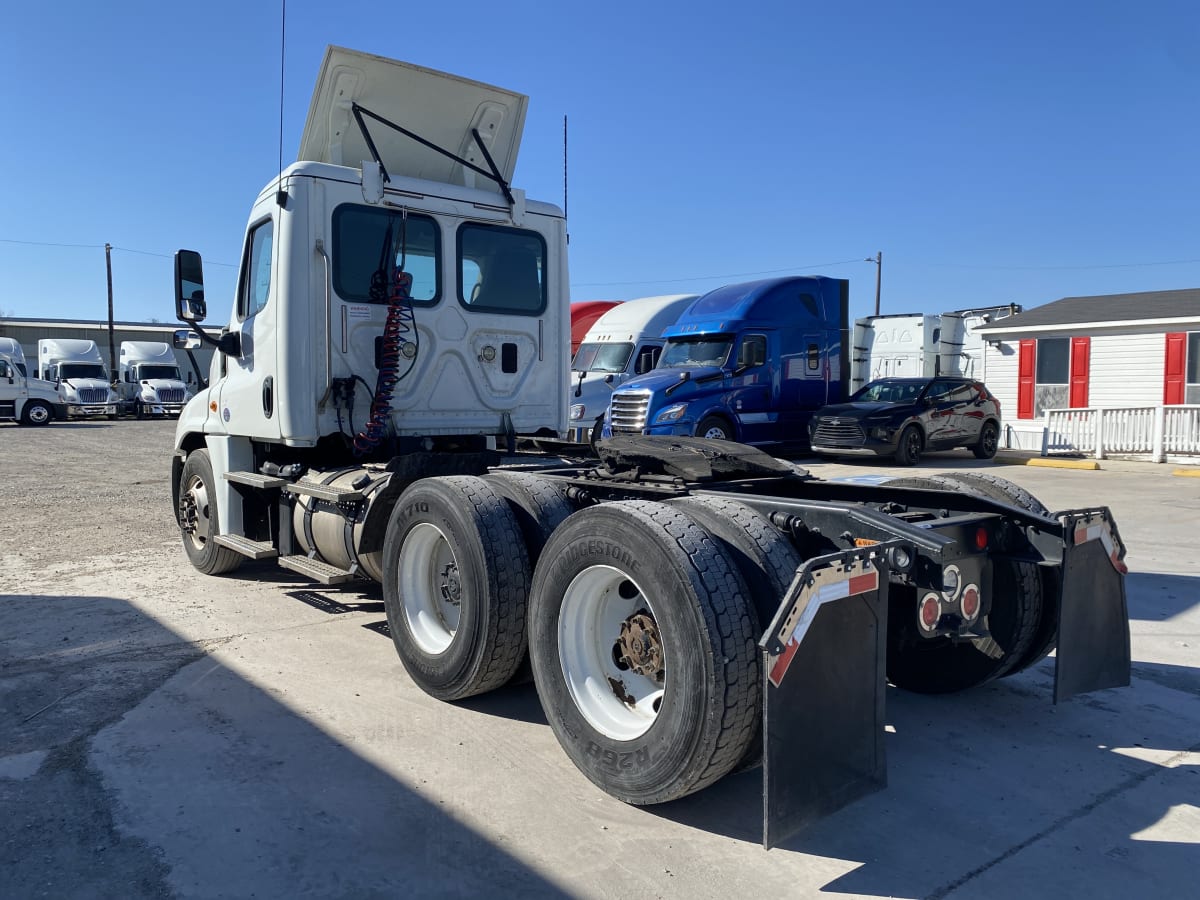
(1153, 432)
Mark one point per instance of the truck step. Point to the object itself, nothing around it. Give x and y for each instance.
(247, 547)
(324, 492)
(254, 479)
(315, 569)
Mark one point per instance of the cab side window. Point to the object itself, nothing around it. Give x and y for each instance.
(255, 287)
(501, 270)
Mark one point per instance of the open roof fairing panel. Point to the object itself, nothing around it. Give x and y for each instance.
(441, 108)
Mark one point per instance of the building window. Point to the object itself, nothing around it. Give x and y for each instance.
(1053, 375)
(1191, 392)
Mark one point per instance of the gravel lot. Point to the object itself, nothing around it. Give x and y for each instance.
(165, 734)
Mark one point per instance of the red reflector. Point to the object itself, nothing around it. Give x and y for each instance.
(981, 538)
(930, 612)
(970, 602)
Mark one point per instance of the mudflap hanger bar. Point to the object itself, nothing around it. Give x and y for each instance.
(824, 660)
(1093, 624)
(494, 174)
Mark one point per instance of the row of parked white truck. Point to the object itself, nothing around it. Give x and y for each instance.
(70, 380)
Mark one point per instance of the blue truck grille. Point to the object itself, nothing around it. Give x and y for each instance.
(93, 395)
(171, 395)
(629, 413)
(835, 433)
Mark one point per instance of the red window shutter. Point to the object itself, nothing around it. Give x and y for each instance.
(1025, 374)
(1081, 351)
(1173, 372)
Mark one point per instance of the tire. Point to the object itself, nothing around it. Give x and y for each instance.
(714, 428)
(539, 505)
(989, 441)
(138, 411)
(37, 413)
(940, 665)
(1007, 492)
(455, 585)
(766, 560)
(909, 446)
(112, 417)
(199, 517)
(644, 569)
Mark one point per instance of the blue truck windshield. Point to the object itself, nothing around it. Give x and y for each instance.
(696, 350)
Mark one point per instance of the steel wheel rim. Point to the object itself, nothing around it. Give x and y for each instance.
(196, 512)
(595, 605)
(716, 433)
(38, 414)
(429, 587)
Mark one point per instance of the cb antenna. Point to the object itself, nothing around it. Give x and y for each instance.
(281, 194)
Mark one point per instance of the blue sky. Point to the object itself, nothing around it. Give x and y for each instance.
(996, 153)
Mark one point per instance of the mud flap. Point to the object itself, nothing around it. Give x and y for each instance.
(824, 682)
(1093, 625)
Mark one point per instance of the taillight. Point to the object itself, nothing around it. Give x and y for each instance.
(970, 603)
(928, 612)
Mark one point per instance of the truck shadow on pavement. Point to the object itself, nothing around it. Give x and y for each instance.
(998, 777)
(135, 764)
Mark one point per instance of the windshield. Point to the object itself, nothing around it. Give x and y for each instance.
(601, 357)
(171, 372)
(890, 392)
(698, 350)
(81, 370)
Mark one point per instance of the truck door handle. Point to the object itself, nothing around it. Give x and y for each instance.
(268, 396)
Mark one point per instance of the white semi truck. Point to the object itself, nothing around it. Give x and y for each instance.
(29, 401)
(77, 367)
(150, 383)
(921, 345)
(12, 349)
(687, 606)
(624, 342)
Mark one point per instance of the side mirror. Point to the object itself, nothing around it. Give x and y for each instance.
(189, 287)
(186, 340)
(750, 355)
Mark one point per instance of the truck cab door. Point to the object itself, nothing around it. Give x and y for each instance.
(246, 393)
(9, 387)
(752, 394)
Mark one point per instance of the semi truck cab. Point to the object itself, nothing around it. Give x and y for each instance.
(77, 368)
(746, 362)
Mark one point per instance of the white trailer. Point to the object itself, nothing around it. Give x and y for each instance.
(624, 342)
(77, 367)
(399, 320)
(150, 383)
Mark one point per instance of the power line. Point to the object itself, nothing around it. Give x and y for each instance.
(102, 246)
(1167, 262)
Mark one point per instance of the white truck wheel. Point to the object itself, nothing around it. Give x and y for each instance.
(455, 584)
(643, 651)
(199, 517)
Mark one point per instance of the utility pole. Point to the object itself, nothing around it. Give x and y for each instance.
(878, 260)
(112, 347)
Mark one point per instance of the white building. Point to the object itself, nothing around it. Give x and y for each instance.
(1117, 367)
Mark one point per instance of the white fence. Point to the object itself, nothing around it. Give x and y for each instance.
(1152, 432)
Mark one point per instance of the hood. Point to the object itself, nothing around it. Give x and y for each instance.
(80, 383)
(441, 108)
(864, 409)
(661, 379)
(595, 394)
(164, 383)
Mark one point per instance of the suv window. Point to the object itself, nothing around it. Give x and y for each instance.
(501, 269)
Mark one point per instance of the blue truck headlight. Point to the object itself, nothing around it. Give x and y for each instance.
(672, 413)
(577, 411)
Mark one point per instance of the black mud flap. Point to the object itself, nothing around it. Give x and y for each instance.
(824, 681)
(1093, 626)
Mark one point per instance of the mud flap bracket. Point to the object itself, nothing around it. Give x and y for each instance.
(824, 681)
(1093, 626)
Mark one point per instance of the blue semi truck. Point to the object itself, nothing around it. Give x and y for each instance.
(746, 362)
